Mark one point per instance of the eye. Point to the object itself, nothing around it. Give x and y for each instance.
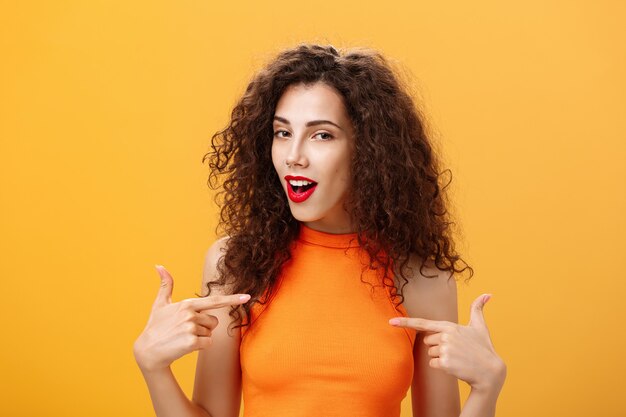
(328, 135)
(277, 133)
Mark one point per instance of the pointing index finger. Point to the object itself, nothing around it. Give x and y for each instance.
(218, 301)
(419, 324)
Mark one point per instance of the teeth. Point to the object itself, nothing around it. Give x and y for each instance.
(299, 183)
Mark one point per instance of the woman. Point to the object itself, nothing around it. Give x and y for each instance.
(334, 278)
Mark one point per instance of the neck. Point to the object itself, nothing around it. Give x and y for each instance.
(334, 229)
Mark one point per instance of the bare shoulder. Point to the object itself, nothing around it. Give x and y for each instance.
(217, 385)
(211, 258)
(430, 293)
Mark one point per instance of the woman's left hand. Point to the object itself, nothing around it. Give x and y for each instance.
(463, 351)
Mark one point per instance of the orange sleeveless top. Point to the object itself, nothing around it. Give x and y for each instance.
(323, 345)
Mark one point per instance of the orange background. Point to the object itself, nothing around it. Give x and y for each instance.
(106, 108)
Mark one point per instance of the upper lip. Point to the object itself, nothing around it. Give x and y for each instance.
(298, 177)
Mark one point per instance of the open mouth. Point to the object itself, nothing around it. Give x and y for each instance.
(299, 193)
(299, 189)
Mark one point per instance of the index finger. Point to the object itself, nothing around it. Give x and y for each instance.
(217, 301)
(420, 324)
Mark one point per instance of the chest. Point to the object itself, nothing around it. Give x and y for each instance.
(327, 323)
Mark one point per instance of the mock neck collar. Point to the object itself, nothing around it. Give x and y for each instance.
(331, 240)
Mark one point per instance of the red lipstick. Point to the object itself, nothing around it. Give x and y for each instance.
(303, 194)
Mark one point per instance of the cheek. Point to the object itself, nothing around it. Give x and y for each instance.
(275, 157)
(342, 167)
(339, 171)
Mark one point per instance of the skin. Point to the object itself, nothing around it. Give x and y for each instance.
(465, 352)
(321, 152)
(175, 329)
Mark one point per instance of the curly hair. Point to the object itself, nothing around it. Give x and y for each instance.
(398, 211)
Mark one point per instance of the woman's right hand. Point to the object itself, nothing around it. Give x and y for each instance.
(176, 329)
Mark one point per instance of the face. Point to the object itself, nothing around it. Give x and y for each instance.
(313, 139)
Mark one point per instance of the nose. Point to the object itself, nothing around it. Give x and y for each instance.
(296, 154)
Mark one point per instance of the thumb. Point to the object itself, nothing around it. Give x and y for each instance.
(477, 319)
(164, 296)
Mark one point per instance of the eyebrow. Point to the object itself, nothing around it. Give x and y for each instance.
(311, 123)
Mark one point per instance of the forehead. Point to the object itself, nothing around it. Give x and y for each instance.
(317, 101)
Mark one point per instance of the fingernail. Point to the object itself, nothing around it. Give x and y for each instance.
(486, 298)
(244, 297)
(394, 321)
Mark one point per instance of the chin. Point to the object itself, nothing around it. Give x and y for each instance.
(303, 217)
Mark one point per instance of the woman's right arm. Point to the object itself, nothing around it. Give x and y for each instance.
(168, 399)
(176, 329)
(217, 386)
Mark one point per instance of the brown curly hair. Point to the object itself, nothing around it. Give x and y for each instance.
(398, 211)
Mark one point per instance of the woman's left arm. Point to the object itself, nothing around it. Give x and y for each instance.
(465, 352)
